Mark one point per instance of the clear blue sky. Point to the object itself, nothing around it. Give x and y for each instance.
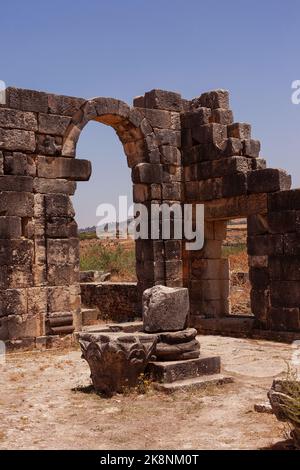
(124, 48)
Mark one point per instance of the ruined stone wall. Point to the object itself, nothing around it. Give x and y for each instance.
(115, 301)
(178, 151)
(39, 265)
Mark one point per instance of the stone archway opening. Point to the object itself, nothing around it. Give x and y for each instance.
(108, 277)
(107, 250)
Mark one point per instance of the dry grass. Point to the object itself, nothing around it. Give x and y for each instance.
(240, 290)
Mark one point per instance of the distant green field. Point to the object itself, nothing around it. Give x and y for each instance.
(118, 261)
(233, 250)
(87, 235)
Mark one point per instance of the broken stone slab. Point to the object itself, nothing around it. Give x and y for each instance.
(165, 309)
(172, 371)
(116, 360)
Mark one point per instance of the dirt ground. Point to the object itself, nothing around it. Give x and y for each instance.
(42, 405)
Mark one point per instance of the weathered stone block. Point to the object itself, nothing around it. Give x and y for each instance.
(10, 227)
(239, 130)
(147, 173)
(215, 99)
(136, 152)
(13, 302)
(67, 168)
(282, 222)
(161, 99)
(62, 275)
(37, 301)
(17, 119)
(173, 249)
(16, 183)
(172, 191)
(61, 227)
(58, 299)
(141, 192)
(16, 252)
(165, 309)
(157, 118)
(258, 224)
(210, 189)
(53, 124)
(58, 205)
(234, 184)
(222, 116)
(232, 146)
(19, 164)
(15, 277)
(260, 245)
(259, 278)
(49, 144)
(13, 203)
(64, 105)
(47, 185)
(258, 164)
(260, 304)
(210, 289)
(291, 244)
(210, 269)
(170, 155)
(27, 100)
(25, 326)
(168, 137)
(258, 261)
(16, 139)
(198, 117)
(285, 293)
(209, 133)
(285, 319)
(268, 180)
(62, 252)
(251, 148)
(285, 200)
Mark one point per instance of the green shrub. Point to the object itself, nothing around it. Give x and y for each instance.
(118, 261)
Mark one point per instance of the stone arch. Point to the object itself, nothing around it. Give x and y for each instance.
(136, 135)
(130, 126)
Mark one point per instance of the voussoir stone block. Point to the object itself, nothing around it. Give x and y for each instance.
(165, 308)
